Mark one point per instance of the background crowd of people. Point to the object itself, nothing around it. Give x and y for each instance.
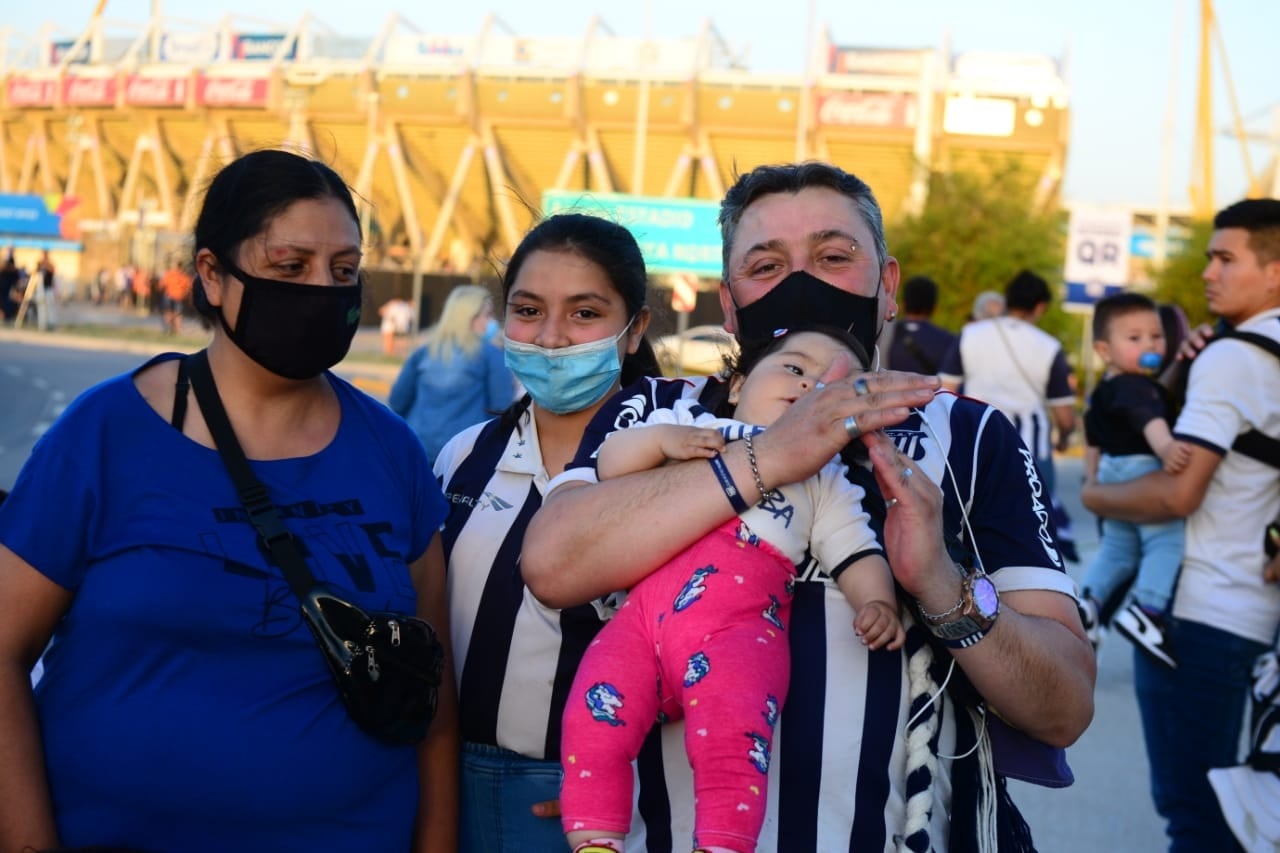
(164, 293)
(535, 476)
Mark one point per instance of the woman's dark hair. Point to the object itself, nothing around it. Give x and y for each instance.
(247, 194)
(753, 351)
(609, 246)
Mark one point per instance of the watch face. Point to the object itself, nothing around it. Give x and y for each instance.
(985, 598)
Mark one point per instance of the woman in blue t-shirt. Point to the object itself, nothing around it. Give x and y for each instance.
(184, 705)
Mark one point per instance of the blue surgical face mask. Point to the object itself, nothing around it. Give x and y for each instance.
(490, 330)
(568, 379)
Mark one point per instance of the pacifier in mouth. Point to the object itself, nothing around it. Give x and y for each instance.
(1150, 361)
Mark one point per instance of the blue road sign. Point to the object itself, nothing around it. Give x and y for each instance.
(676, 235)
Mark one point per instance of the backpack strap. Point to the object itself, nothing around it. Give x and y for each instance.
(1256, 444)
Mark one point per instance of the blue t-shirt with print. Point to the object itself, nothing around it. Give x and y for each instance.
(184, 704)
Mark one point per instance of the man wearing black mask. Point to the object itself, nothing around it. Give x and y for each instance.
(855, 761)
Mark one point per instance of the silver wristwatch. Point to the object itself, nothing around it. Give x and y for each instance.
(977, 610)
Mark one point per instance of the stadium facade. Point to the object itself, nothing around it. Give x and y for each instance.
(450, 141)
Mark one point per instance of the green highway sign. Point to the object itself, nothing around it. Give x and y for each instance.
(676, 235)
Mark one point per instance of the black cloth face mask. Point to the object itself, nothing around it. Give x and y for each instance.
(294, 330)
(801, 299)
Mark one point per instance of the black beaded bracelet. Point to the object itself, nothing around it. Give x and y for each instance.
(726, 482)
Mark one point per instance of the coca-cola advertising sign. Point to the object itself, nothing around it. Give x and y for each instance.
(142, 91)
(232, 91)
(89, 91)
(868, 109)
(25, 91)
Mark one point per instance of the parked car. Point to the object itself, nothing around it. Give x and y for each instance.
(700, 350)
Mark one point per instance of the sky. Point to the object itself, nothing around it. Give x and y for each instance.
(1121, 58)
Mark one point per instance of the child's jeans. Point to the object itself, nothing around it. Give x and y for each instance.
(1153, 551)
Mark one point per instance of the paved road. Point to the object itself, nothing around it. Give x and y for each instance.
(1107, 809)
(36, 384)
(41, 374)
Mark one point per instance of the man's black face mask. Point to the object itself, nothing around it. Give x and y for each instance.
(801, 299)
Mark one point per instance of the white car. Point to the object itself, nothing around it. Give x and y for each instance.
(699, 350)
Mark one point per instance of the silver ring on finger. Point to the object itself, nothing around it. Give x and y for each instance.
(818, 386)
(890, 504)
(906, 472)
(860, 387)
(851, 427)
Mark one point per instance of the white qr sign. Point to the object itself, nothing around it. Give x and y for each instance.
(1098, 249)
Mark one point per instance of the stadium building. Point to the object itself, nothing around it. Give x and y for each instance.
(451, 141)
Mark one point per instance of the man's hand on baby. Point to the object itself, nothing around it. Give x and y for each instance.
(878, 626)
(1197, 340)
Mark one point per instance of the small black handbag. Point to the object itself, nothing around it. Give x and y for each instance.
(387, 666)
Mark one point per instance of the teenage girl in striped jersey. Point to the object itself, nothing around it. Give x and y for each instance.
(574, 295)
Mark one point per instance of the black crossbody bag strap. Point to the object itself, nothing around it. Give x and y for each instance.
(253, 495)
(913, 347)
(180, 395)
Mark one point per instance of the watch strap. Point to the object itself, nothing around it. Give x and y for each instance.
(970, 639)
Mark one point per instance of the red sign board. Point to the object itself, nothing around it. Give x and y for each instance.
(232, 91)
(24, 91)
(140, 91)
(684, 293)
(89, 91)
(868, 109)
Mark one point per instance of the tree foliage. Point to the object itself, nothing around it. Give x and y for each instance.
(1179, 280)
(977, 230)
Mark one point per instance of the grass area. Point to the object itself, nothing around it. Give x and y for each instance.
(375, 358)
(137, 334)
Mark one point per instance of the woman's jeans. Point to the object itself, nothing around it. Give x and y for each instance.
(1154, 551)
(1192, 718)
(499, 787)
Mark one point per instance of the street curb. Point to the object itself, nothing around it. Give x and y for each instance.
(375, 375)
(89, 342)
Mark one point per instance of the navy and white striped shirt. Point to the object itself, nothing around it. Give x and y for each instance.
(515, 658)
(838, 779)
(1016, 367)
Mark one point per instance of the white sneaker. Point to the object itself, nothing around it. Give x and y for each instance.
(1089, 616)
(1145, 631)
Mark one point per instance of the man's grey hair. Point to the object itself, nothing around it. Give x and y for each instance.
(792, 178)
(988, 304)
